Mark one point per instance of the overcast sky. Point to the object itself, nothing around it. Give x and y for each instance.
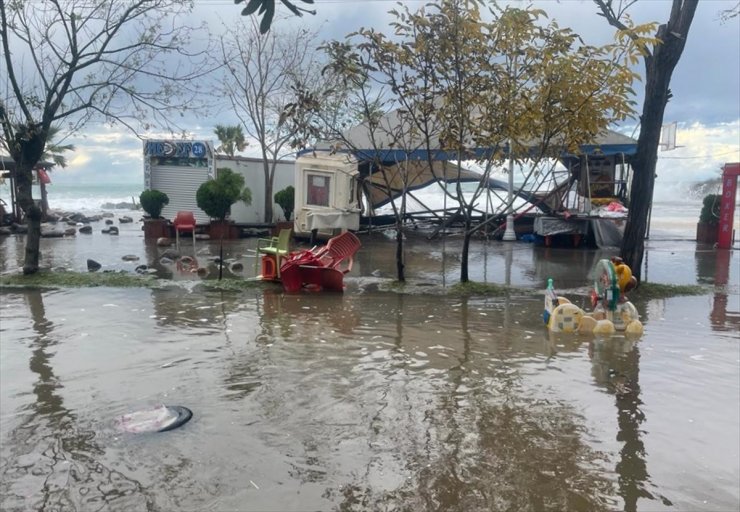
(705, 86)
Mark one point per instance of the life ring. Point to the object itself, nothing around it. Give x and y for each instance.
(183, 416)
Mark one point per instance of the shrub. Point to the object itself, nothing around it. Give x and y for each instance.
(286, 201)
(216, 196)
(710, 209)
(153, 201)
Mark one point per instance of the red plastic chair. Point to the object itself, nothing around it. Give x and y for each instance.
(338, 250)
(184, 223)
(324, 267)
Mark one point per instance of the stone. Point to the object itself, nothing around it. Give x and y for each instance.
(107, 215)
(170, 254)
(130, 257)
(125, 219)
(86, 230)
(113, 230)
(70, 231)
(108, 222)
(164, 241)
(93, 265)
(141, 269)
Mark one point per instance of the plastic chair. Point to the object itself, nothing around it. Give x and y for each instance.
(184, 222)
(323, 267)
(338, 250)
(277, 247)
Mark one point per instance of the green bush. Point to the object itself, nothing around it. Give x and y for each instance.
(215, 197)
(153, 201)
(710, 209)
(286, 201)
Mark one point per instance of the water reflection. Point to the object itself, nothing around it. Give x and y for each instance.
(616, 368)
(713, 267)
(54, 460)
(465, 432)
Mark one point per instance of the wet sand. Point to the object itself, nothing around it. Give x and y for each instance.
(369, 400)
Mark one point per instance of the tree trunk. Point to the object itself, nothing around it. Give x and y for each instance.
(464, 256)
(26, 153)
(268, 187)
(399, 252)
(658, 71)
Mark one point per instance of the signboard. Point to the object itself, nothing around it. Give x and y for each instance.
(173, 149)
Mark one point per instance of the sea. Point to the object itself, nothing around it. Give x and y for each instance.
(674, 215)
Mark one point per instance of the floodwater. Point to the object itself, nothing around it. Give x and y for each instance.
(370, 400)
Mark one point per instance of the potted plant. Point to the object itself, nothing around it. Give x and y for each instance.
(155, 226)
(706, 229)
(286, 201)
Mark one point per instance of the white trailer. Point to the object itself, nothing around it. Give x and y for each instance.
(325, 194)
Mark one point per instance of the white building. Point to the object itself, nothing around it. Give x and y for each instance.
(178, 168)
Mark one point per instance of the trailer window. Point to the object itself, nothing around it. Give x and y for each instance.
(317, 189)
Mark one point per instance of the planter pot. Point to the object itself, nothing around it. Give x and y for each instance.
(706, 233)
(227, 228)
(156, 228)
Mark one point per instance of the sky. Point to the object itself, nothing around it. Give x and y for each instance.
(705, 85)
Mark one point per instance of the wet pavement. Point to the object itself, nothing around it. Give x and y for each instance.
(369, 400)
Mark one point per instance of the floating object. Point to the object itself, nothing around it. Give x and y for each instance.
(565, 318)
(612, 311)
(587, 324)
(551, 300)
(157, 419)
(604, 327)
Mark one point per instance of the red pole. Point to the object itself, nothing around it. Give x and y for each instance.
(730, 172)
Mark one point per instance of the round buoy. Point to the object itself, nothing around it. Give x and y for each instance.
(565, 318)
(634, 328)
(156, 419)
(587, 324)
(626, 312)
(604, 327)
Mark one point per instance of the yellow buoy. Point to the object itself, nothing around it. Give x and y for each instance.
(587, 324)
(565, 318)
(604, 327)
(634, 328)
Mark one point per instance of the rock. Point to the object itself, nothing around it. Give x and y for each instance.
(108, 222)
(5, 231)
(113, 230)
(93, 265)
(164, 242)
(71, 231)
(170, 254)
(125, 219)
(52, 218)
(107, 215)
(47, 232)
(236, 267)
(86, 230)
(72, 223)
(141, 269)
(166, 261)
(130, 257)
